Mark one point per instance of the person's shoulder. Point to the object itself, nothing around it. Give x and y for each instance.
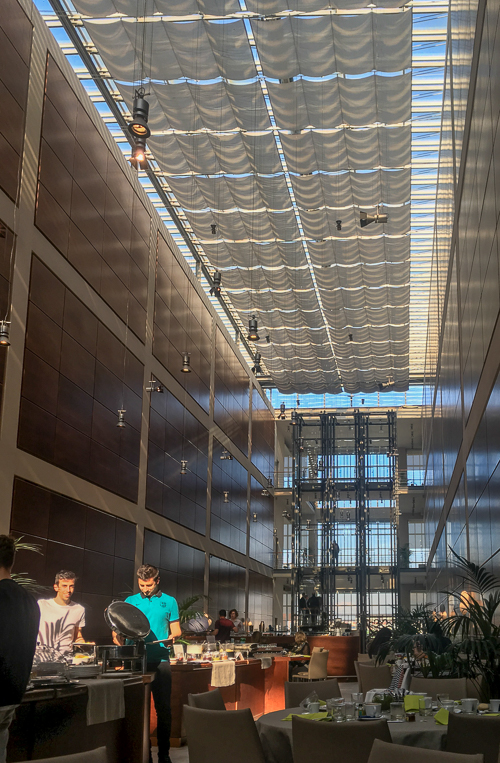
(166, 597)
(133, 598)
(77, 607)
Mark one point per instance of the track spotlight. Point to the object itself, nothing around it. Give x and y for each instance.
(184, 464)
(365, 219)
(226, 496)
(338, 223)
(257, 368)
(138, 159)
(253, 330)
(282, 411)
(121, 418)
(186, 363)
(293, 418)
(154, 386)
(138, 127)
(4, 333)
(217, 279)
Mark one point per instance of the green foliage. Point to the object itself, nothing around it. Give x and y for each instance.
(475, 626)
(405, 553)
(187, 609)
(22, 578)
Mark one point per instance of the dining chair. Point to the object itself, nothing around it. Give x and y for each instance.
(327, 742)
(99, 755)
(456, 688)
(214, 736)
(471, 733)
(395, 753)
(365, 658)
(207, 700)
(317, 669)
(296, 692)
(372, 677)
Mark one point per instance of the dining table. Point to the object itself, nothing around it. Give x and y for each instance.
(276, 734)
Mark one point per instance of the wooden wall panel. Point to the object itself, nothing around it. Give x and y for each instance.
(76, 376)
(98, 547)
(87, 207)
(228, 522)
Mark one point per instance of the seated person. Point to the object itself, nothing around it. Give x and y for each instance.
(300, 647)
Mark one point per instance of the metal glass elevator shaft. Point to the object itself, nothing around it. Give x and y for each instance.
(344, 521)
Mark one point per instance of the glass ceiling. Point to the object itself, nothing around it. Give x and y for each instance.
(429, 25)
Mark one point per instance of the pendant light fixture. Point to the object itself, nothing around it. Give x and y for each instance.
(184, 464)
(226, 496)
(186, 363)
(253, 329)
(217, 276)
(138, 128)
(4, 333)
(121, 418)
(257, 367)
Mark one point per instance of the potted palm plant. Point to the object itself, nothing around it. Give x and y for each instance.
(475, 627)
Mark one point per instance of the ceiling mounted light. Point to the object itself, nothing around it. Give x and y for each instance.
(217, 280)
(365, 219)
(138, 158)
(257, 367)
(121, 418)
(184, 464)
(138, 126)
(186, 363)
(253, 330)
(4, 333)
(338, 223)
(154, 386)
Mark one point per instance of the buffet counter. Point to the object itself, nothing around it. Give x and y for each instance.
(343, 650)
(53, 721)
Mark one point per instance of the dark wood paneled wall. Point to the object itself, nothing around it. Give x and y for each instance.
(228, 523)
(227, 586)
(98, 547)
(88, 209)
(76, 377)
(182, 568)
(231, 393)
(15, 53)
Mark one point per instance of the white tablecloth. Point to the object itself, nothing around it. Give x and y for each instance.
(276, 734)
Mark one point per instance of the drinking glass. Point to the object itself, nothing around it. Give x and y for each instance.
(357, 698)
(448, 704)
(442, 697)
(338, 710)
(350, 711)
(425, 706)
(397, 711)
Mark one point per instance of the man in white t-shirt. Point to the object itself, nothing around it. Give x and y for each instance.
(61, 620)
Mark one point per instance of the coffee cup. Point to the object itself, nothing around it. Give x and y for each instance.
(313, 707)
(494, 706)
(469, 706)
(373, 709)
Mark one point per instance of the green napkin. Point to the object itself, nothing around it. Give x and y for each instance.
(411, 701)
(309, 716)
(441, 716)
(491, 713)
(322, 701)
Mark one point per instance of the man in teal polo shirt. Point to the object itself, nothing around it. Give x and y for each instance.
(163, 615)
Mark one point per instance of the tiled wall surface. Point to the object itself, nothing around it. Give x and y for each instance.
(93, 264)
(98, 547)
(76, 376)
(15, 53)
(467, 408)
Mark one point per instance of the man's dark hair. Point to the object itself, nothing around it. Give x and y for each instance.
(7, 551)
(147, 571)
(222, 612)
(64, 575)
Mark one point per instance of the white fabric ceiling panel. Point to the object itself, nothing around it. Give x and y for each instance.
(368, 189)
(277, 142)
(319, 46)
(340, 101)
